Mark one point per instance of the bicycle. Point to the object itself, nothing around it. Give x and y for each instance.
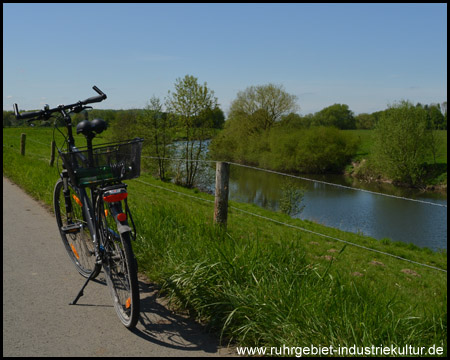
(94, 225)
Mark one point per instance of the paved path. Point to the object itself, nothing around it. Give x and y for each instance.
(39, 281)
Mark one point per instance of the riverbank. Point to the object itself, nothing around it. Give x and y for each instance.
(281, 152)
(360, 169)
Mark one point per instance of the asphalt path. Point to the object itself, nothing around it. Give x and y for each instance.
(39, 281)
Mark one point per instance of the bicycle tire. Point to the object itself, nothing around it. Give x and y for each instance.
(78, 244)
(120, 267)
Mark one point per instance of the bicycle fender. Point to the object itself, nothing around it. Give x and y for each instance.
(116, 210)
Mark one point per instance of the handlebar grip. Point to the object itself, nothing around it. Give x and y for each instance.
(99, 91)
(27, 115)
(94, 99)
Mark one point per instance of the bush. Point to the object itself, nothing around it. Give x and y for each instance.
(313, 150)
(403, 143)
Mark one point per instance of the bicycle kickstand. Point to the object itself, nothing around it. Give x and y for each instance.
(80, 293)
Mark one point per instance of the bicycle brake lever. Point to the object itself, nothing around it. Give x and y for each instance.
(79, 109)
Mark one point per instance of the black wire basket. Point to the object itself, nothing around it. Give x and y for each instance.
(110, 162)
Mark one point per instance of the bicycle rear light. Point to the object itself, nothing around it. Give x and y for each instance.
(115, 195)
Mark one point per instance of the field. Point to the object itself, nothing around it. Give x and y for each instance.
(261, 283)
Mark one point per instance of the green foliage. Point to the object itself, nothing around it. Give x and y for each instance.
(365, 121)
(436, 119)
(125, 125)
(192, 102)
(213, 118)
(403, 143)
(291, 198)
(157, 128)
(296, 121)
(337, 115)
(262, 106)
(8, 118)
(263, 129)
(313, 150)
(325, 149)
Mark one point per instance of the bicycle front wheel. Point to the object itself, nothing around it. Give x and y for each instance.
(74, 231)
(120, 266)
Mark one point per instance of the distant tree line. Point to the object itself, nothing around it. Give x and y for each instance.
(337, 115)
(264, 128)
(341, 117)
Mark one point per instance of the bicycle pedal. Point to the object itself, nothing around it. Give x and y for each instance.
(71, 229)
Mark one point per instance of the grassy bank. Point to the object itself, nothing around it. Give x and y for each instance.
(262, 283)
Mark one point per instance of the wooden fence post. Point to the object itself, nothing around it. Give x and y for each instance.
(52, 154)
(221, 199)
(23, 138)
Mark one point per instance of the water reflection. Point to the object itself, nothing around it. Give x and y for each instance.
(356, 211)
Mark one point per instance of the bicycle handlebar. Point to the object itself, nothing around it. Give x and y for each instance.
(45, 114)
(94, 99)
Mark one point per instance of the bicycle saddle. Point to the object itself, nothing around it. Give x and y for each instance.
(99, 125)
(86, 127)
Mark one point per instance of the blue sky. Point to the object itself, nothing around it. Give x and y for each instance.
(364, 55)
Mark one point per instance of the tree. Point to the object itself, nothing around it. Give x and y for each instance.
(263, 105)
(124, 126)
(189, 101)
(435, 117)
(8, 118)
(444, 110)
(365, 121)
(156, 126)
(213, 117)
(337, 115)
(402, 142)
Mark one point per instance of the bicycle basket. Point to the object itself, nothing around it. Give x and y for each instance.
(110, 162)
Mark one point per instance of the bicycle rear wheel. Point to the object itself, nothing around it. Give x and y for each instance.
(74, 231)
(120, 266)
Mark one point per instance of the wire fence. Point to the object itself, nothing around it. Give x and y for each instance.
(277, 221)
(293, 226)
(302, 178)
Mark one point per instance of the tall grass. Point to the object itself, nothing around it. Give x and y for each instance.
(263, 284)
(266, 290)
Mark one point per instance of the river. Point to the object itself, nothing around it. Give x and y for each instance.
(351, 210)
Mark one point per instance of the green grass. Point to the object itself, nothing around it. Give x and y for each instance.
(261, 283)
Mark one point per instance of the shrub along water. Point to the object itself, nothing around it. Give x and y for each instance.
(313, 150)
